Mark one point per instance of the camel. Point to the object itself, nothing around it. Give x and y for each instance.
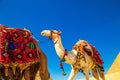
(30, 72)
(77, 61)
(19, 69)
(40, 66)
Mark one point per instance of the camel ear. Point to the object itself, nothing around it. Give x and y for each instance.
(59, 32)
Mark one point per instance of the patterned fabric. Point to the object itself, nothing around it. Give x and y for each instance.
(17, 46)
(81, 48)
(96, 56)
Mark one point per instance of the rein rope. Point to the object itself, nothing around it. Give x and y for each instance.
(62, 60)
(65, 52)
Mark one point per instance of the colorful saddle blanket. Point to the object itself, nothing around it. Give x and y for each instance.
(81, 45)
(17, 46)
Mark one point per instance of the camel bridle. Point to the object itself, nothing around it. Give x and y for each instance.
(51, 35)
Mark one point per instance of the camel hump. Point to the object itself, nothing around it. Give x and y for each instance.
(83, 46)
(17, 46)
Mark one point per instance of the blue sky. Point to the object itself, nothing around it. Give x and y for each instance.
(97, 21)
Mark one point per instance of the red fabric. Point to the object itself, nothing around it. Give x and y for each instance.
(21, 51)
(96, 55)
(3, 55)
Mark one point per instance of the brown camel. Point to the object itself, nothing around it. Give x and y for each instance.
(37, 61)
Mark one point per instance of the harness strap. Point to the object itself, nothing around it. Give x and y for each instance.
(51, 36)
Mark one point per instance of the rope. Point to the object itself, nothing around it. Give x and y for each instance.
(62, 60)
(61, 66)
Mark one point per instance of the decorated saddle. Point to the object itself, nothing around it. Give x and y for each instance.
(17, 46)
(83, 46)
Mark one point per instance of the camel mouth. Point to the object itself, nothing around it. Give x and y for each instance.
(42, 33)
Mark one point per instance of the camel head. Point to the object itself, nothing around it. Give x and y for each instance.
(52, 34)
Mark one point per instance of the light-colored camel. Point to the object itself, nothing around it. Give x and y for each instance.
(13, 71)
(84, 62)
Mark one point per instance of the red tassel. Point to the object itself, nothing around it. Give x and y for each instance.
(61, 64)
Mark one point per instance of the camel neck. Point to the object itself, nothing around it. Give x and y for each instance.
(59, 47)
(60, 50)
